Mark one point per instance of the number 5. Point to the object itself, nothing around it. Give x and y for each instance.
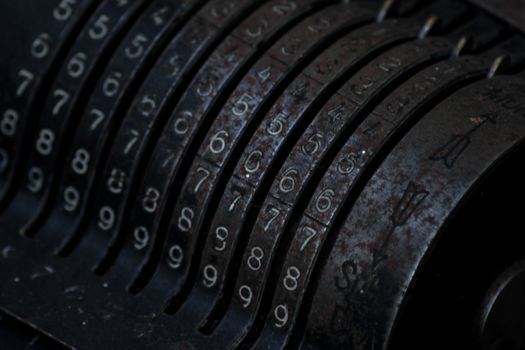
(137, 47)
(100, 28)
(242, 106)
(64, 10)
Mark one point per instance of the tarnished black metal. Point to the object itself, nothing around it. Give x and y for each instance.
(33, 57)
(146, 119)
(512, 11)
(196, 110)
(51, 124)
(106, 109)
(262, 174)
(501, 325)
(410, 197)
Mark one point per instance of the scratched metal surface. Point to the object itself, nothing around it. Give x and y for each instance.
(393, 152)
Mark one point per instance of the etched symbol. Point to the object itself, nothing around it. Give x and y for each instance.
(458, 144)
(411, 199)
(336, 113)
(299, 92)
(372, 130)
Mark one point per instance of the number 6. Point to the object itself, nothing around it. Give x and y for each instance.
(218, 143)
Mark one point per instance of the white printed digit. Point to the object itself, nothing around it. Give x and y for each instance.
(150, 202)
(106, 218)
(255, 259)
(111, 85)
(71, 199)
(281, 315)
(274, 212)
(100, 28)
(45, 141)
(27, 78)
(221, 235)
(291, 280)
(324, 201)
(218, 143)
(182, 125)
(175, 257)
(253, 162)
(209, 276)
(203, 179)
(116, 180)
(141, 238)
(9, 122)
(77, 65)
(185, 222)
(137, 47)
(63, 97)
(35, 179)
(80, 163)
(64, 10)
(246, 295)
(99, 117)
(288, 183)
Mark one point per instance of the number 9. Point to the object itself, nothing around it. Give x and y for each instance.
(71, 199)
(281, 315)
(106, 218)
(141, 236)
(246, 295)
(210, 276)
(175, 257)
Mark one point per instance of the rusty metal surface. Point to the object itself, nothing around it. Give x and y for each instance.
(266, 174)
(401, 211)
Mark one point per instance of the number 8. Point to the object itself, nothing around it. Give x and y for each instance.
(80, 163)
(9, 122)
(185, 219)
(291, 279)
(44, 144)
(255, 259)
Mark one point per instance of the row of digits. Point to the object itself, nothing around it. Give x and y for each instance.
(213, 146)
